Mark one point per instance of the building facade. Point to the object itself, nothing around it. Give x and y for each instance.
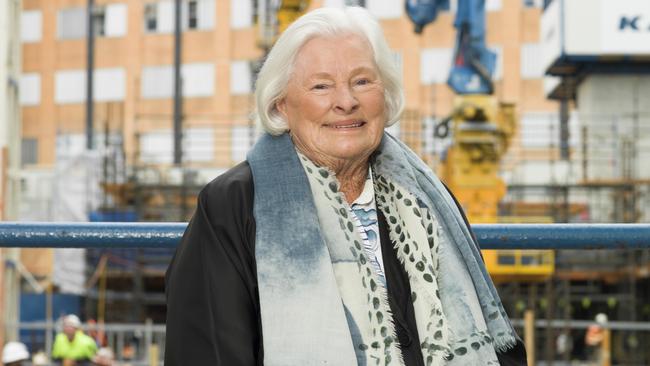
(134, 75)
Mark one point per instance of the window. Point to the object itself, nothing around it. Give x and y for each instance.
(195, 15)
(110, 85)
(31, 26)
(115, 20)
(70, 85)
(29, 151)
(71, 23)
(108, 21)
(150, 17)
(198, 80)
(241, 78)
(99, 21)
(531, 61)
(435, 65)
(30, 89)
(493, 5)
(206, 12)
(192, 17)
(383, 9)
(165, 15)
(158, 81)
(241, 14)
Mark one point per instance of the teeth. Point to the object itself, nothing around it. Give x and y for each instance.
(349, 126)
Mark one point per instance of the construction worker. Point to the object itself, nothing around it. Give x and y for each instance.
(14, 354)
(594, 338)
(72, 346)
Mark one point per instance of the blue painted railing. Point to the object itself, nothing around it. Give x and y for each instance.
(168, 235)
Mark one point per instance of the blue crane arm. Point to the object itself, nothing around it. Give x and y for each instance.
(423, 12)
(473, 63)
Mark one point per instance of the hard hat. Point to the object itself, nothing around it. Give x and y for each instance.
(40, 359)
(13, 352)
(104, 356)
(601, 318)
(72, 321)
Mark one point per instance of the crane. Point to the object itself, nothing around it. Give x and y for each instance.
(482, 127)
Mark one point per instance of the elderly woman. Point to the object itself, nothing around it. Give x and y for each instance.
(333, 243)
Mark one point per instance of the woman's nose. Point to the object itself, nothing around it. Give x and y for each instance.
(345, 101)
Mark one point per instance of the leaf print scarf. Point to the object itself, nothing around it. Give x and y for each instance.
(321, 301)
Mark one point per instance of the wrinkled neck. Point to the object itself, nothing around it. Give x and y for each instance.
(351, 174)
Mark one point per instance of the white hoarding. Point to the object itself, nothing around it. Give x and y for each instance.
(625, 27)
(595, 28)
(582, 26)
(551, 34)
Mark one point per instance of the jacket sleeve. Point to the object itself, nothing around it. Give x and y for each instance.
(210, 284)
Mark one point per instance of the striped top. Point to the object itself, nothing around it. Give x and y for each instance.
(364, 214)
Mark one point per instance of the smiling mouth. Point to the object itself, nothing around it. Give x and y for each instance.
(346, 124)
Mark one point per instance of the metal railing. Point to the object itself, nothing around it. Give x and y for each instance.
(168, 235)
(161, 235)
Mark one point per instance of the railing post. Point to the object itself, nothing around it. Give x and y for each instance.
(148, 337)
(49, 322)
(529, 336)
(606, 347)
(153, 355)
(119, 335)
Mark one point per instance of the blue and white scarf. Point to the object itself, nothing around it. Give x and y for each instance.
(320, 299)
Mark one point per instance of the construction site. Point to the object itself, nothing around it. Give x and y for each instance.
(96, 128)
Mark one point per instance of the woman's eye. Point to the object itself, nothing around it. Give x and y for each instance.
(320, 87)
(362, 82)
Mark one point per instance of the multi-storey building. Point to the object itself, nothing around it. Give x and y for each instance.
(133, 74)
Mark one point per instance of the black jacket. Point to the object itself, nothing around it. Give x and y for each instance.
(213, 315)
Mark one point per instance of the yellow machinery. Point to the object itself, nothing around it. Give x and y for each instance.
(289, 11)
(481, 134)
(275, 17)
(482, 128)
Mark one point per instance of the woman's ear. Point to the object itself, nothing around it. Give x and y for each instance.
(281, 106)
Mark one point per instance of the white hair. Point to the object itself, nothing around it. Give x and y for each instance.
(273, 78)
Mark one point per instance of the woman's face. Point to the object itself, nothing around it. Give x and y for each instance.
(335, 100)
